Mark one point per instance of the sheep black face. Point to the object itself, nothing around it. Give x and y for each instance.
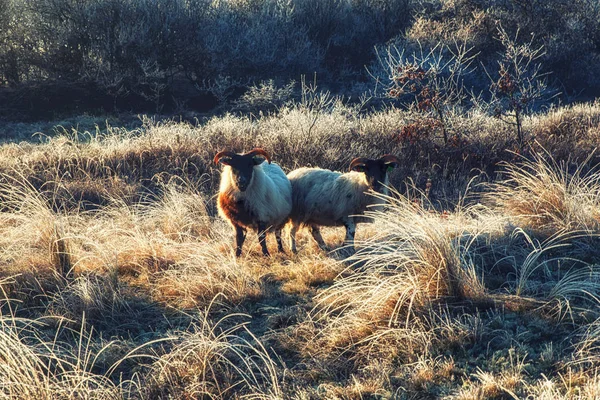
(375, 170)
(242, 165)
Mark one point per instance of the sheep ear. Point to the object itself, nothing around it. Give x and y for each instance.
(257, 160)
(391, 165)
(390, 161)
(225, 160)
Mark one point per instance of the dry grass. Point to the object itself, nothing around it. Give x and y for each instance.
(120, 282)
(35, 366)
(208, 361)
(416, 258)
(550, 196)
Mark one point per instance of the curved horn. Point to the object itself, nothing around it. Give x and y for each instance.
(358, 161)
(259, 151)
(388, 158)
(223, 154)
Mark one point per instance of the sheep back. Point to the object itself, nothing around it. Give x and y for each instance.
(325, 197)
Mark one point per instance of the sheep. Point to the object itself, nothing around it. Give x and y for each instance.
(330, 198)
(253, 195)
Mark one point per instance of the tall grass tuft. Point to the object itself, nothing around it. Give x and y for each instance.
(36, 234)
(428, 250)
(35, 366)
(216, 360)
(180, 212)
(550, 196)
(417, 258)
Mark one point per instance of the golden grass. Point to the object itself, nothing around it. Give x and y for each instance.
(416, 258)
(211, 362)
(33, 367)
(550, 196)
(109, 246)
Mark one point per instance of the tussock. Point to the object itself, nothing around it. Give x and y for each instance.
(548, 195)
(216, 362)
(45, 368)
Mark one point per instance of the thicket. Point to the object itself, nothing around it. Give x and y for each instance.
(174, 55)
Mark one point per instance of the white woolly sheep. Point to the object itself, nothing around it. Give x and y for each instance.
(253, 195)
(330, 198)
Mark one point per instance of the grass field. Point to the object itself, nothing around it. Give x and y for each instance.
(480, 280)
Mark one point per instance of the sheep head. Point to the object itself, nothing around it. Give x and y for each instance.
(242, 165)
(375, 170)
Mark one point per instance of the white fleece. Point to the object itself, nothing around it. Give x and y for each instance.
(268, 196)
(329, 198)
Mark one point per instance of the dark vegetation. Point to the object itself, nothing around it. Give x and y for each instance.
(168, 56)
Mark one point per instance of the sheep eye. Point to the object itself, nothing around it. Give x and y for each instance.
(390, 168)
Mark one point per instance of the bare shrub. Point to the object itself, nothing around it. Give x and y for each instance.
(520, 83)
(265, 97)
(433, 80)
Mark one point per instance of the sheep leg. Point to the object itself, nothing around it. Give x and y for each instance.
(350, 232)
(279, 242)
(240, 236)
(293, 231)
(316, 234)
(262, 239)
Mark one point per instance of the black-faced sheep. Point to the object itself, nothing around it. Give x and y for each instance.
(253, 195)
(330, 198)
